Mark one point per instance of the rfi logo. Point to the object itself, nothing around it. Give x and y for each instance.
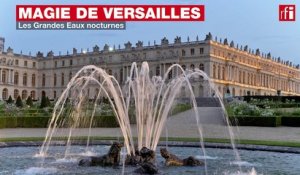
(287, 12)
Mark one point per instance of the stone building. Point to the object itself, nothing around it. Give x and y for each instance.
(236, 69)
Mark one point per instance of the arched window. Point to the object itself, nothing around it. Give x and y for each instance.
(3, 76)
(25, 79)
(157, 71)
(43, 93)
(170, 75)
(16, 93)
(201, 66)
(24, 94)
(32, 95)
(4, 94)
(54, 80)
(192, 67)
(33, 80)
(16, 78)
(43, 80)
(62, 79)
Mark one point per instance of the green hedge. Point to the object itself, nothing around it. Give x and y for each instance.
(255, 121)
(42, 122)
(23, 122)
(290, 121)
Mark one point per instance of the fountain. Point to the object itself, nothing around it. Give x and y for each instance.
(151, 98)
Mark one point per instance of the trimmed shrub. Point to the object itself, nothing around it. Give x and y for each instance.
(255, 121)
(42, 122)
(19, 102)
(29, 101)
(290, 121)
(43, 102)
(10, 100)
(105, 121)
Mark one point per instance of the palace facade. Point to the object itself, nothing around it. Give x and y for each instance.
(236, 69)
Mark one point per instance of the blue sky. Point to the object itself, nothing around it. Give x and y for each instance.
(248, 22)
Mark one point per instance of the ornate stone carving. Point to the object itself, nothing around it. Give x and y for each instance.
(177, 40)
(225, 42)
(128, 45)
(96, 48)
(208, 37)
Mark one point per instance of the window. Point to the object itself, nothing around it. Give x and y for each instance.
(214, 71)
(121, 75)
(192, 51)
(62, 79)
(24, 94)
(55, 64)
(25, 63)
(170, 75)
(193, 67)
(54, 80)
(3, 76)
(43, 80)
(70, 76)
(25, 79)
(44, 64)
(33, 80)
(32, 95)
(202, 50)
(54, 94)
(16, 78)
(183, 67)
(71, 62)
(5, 94)
(201, 67)
(157, 71)
(16, 93)
(33, 64)
(17, 62)
(183, 52)
(63, 63)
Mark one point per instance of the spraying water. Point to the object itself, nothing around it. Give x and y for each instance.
(151, 99)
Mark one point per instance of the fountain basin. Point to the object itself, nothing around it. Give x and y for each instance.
(22, 160)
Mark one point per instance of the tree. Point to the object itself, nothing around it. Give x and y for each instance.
(29, 102)
(19, 102)
(48, 103)
(43, 102)
(10, 100)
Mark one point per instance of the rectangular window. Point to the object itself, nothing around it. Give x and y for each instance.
(17, 62)
(55, 64)
(63, 63)
(183, 53)
(192, 51)
(201, 50)
(71, 62)
(33, 64)
(25, 63)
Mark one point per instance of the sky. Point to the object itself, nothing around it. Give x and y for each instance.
(248, 22)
